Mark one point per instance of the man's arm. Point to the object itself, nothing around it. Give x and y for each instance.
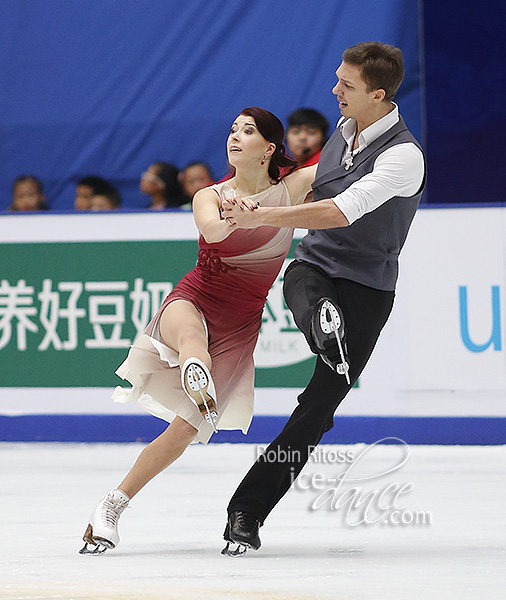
(398, 171)
(314, 215)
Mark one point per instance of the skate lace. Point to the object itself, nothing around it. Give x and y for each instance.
(111, 510)
(247, 521)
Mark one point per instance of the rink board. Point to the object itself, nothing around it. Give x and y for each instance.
(75, 290)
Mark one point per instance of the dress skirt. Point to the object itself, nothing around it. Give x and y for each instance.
(228, 286)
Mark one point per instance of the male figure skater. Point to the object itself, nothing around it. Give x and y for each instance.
(340, 288)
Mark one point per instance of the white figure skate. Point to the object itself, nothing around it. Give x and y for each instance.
(102, 531)
(199, 387)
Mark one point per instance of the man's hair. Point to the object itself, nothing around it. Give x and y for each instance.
(382, 65)
(311, 118)
(99, 185)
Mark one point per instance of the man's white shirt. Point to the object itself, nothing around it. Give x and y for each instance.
(398, 171)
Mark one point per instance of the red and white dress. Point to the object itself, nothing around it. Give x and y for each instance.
(228, 286)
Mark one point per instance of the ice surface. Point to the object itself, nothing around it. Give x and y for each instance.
(171, 536)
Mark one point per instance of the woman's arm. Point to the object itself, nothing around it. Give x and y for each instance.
(299, 183)
(206, 212)
(309, 215)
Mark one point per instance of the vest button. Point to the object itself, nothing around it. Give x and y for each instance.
(338, 242)
(306, 251)
(311, 231)
(333, 258)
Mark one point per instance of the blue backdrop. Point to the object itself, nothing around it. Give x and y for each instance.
(465, 58)
(107, 87)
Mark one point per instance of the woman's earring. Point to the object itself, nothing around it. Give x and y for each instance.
(262, 162)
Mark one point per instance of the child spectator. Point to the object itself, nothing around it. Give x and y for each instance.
(27, 194)
(90, 186)
(107, 200)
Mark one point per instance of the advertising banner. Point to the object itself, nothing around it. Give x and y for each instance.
(70, 310)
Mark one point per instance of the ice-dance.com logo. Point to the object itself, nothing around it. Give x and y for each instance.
(364, 491)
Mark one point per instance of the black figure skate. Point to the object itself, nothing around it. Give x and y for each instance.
(327, 330)
(241, 533)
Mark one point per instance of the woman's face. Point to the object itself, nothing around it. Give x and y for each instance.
(245, 144)
(194, 179)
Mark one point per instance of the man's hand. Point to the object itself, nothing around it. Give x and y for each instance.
(242, 213)
(323, 214)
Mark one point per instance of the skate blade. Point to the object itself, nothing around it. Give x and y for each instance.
(93, 550)
(342, 369)
(229, 549)
(196, 387)
(211, 416)
(331, 321)
(94, 545)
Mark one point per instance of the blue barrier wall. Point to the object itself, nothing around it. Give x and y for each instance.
(484, 431)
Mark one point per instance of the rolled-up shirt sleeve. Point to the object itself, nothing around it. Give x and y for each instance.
(398, 171)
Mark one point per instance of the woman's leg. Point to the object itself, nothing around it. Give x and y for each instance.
(158, 455)
(183, 330)
(102, 530)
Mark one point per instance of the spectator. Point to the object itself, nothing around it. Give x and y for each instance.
(27, 194)
(194, 177)
(90, 186)
(306, 135)
(107, 200)
(160, 182)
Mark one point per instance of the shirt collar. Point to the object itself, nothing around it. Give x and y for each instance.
(369, 134)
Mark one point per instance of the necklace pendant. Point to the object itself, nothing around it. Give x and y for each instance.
(348, 163)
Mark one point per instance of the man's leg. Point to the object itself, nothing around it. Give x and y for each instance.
(365, 313)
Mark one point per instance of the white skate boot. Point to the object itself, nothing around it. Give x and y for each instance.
(199, 387)
(102, 530)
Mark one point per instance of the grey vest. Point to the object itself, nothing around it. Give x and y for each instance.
(367, 251)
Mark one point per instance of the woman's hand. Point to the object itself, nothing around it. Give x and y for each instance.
(209, 218)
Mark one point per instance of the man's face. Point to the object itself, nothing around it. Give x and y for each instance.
(304, 141)
(355, 100)
(84, 194)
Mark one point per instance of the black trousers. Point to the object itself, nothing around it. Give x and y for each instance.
(365, 312)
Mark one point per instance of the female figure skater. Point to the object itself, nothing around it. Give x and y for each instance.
(193, 366)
